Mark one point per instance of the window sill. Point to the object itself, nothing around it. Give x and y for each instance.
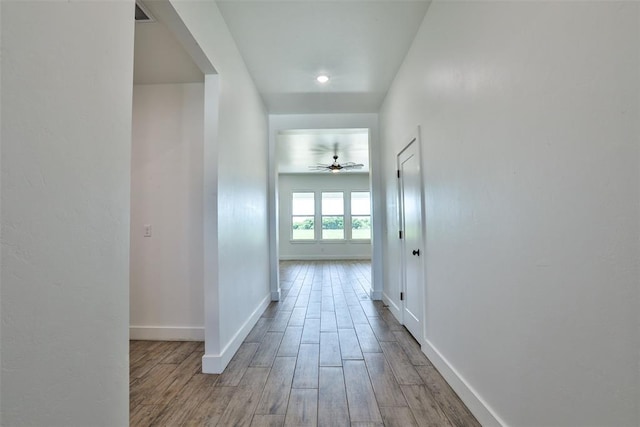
(333, 241)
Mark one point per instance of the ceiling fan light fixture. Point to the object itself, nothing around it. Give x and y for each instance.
(322, 78)
(337, 167)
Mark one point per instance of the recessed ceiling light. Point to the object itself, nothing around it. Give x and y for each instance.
(322, 78)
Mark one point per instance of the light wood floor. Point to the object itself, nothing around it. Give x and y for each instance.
(325, 355)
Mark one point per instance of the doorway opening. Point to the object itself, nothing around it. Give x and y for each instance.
(323, 195)
(174, 91)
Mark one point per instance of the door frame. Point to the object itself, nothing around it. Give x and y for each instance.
(413, 138)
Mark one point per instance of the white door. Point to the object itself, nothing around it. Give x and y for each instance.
(412, 244)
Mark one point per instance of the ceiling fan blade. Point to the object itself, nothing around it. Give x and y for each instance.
(351, 165)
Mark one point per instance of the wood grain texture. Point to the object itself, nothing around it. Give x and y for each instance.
(398, 416)
(311, 331)
(357, 315)
(276, 392)
(180, 353)
(259, 330)
(381, 329)
(280, 321)
(267, 420)
(210, 410)
(178, 410)
(375, 385)
(236, 368)
(297, 316)
(328, 321)
(384, 383)
(303, 408)
(144, 415)
(388, 317)
(290, 341)
(267, 351)
(172, 384)
(367, 339)
(411, 348)
(306, 373)
(343, 317)
(349, 345)
(330, 349)
(333, 410)
(239, 411)
(424, 407)
(360, 397)
(402, 368)
(446, 398)
(313, 310)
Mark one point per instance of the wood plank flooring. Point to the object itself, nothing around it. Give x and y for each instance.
(326, 355)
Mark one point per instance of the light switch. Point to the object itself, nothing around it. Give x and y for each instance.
(147, 230)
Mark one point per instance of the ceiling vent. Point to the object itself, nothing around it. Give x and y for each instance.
(142, 13)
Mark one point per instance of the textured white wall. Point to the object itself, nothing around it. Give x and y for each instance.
(166, 192)
(241, 292)
(346, 249)
(67, 69)
(530, 123)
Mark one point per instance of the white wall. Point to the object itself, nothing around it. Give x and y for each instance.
(317, 250)
(166, 192)
(236, 271)
(279, 122)
(66, 148)
(530, 123)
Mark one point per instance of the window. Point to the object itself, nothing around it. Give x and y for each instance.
(302, 216)
(360, 215)
(333, 216)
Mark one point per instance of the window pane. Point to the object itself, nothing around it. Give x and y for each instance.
(302, 228)
(303, 204)
(333, 203)
(361, 227)
(333, 227)
(360, 203)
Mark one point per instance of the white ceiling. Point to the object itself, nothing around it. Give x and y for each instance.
(285, 45)
(359, 44)
(296, 150)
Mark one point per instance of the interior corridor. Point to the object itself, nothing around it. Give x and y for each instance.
(325, 355)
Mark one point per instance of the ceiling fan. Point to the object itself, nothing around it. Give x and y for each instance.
(336, 167)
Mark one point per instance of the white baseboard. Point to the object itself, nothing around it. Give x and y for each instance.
(375, 295)
(327, 257)
(478, 407)
(215, 363)
(275, 295)
(393, 307)
(166, 333)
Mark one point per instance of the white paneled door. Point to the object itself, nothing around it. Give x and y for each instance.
(412, 243)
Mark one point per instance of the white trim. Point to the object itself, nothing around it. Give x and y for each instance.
(329, 257)
(276, 295)
(478, 407)
(215, 363)
(167, 333)
(393, 307)
(375, 295)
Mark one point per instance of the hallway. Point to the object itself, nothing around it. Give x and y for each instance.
(325, 355)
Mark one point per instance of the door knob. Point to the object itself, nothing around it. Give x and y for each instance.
(416, 252)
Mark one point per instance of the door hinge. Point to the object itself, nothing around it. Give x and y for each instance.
(398, 173)
(401, 296)
(400, 234)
